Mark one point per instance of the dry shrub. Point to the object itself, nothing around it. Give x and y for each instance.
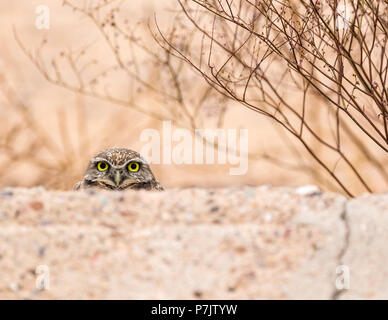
(257, 52)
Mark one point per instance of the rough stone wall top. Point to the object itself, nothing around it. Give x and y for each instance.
(244, 243)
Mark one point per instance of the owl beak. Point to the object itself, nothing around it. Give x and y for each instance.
(117, 178)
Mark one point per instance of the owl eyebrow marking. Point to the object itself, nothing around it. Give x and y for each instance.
(95, 160)
(136, 160)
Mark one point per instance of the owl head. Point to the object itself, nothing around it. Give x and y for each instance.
(118, 169)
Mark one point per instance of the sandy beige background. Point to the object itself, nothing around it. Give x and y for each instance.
(79, 126)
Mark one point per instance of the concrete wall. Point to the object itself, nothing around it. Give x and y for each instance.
(243, 242)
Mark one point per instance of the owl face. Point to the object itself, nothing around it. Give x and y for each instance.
(118, 169)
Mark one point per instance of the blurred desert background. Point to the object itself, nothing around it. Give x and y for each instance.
(48, 131)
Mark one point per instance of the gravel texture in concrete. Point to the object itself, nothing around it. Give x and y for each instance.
(235, 243)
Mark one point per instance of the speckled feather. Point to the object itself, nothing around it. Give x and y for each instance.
(118, 156)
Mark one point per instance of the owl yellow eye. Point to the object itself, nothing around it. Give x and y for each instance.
(102, 166)
(134, 167)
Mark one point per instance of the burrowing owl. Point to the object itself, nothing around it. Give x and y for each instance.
(118, 169)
